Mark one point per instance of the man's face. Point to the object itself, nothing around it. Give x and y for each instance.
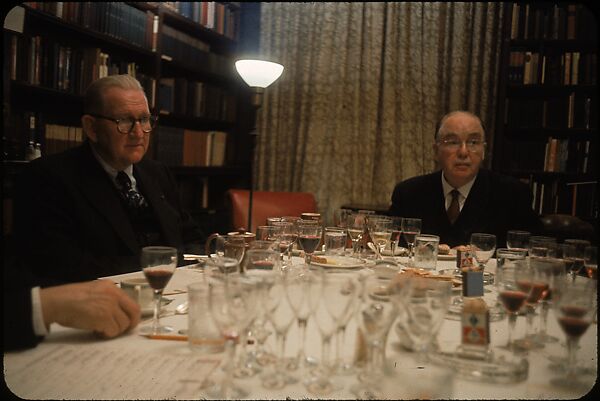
(460, 164)
(117, 149)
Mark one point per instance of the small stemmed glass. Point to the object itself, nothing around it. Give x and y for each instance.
(574, 309)
(233, 303)
(410, 229)
(554, 271)
(396, 227)
(355, 224)
(511, 295)
(576, 258)
(483, 247)
(303, 289)
(158, 264)
(287, 236)
(309, 237)
(380, 231)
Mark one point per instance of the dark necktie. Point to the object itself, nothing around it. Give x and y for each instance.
(454, 209)
(134, 199)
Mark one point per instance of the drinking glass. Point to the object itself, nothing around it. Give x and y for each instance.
(287, 236)
(280, 313)
(233, 304)
(158, 264)
(541, 246)
(574, 310)
(590, 261)
(355, 224)
(335, 240)
(267, 233)
(516, 239)
(226, 247)
(340, 217)
(577, 256)
(426, 251)
(396, 228)
(483, 246)
(572, 257)
(375, 314)
(380, 231)
(553, 270)
(320, 381)
(303, 289)
(410, 229)
(309, 236)
(511, 295)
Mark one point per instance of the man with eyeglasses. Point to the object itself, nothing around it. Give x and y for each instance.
(87, 212)
(462, 198)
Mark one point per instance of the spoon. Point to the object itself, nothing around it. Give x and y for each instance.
(182, 308)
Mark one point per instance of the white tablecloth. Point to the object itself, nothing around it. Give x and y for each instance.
(72, 364)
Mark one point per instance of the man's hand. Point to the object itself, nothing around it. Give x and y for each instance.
(99, 306)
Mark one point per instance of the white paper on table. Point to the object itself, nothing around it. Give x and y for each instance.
(84, 371)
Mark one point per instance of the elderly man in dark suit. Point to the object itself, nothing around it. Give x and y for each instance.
(462, 198)
(87, 212)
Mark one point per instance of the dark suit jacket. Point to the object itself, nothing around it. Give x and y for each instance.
(71, 225)
(495, 204)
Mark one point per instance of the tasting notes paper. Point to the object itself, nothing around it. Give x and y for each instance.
(88, 371)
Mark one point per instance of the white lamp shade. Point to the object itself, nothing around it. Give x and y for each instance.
(257, 72)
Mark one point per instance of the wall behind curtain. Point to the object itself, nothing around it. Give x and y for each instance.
(363, 87)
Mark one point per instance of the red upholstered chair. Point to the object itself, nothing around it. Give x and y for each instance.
(267, 204)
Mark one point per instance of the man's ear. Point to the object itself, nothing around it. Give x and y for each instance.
(87, 123)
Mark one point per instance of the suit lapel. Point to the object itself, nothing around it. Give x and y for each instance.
(102, 195)
(476, 202)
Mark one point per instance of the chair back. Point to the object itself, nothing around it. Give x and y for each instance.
(267, 204)
(563, 226)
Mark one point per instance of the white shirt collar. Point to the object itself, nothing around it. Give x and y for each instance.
(464, 190)
(110, 170)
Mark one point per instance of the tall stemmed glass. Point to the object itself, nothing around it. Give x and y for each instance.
(232, 301)
(261, 265)
(267, 233)
(280, 313)
(553, 269)
(158, 264)
(574, 310)
(287, 236)
(309, 236)
(320, 382)
(303, 289)
(355, 224)
(380, 231)
(341, 296)
(396, 227)
(590, 261)
(577, 257)
(375, 314)
(517, 239)
(483, 246)
(410, 229)
(511, 295)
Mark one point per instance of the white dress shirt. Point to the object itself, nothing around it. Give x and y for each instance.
(463, 192)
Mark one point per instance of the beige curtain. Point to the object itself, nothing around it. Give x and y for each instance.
(363, 87)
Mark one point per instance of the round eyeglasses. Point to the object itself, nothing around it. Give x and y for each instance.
(125, 125)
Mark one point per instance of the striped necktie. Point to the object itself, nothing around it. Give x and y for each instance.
(134, 199)
(454, 209)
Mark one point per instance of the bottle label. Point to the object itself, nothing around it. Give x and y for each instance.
(476, 328)
(463, 259)
(472, 282)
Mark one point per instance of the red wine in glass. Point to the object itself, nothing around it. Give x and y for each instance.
(572, 326)
(309, 242)
(157, 278)
(513, 300)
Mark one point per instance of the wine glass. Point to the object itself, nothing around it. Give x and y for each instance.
(280, 313)
(355, 224)
(590, 261)
(574, 310)
(158, 264)
(375, 314)
(335, 240)
(410, 229)
(573, 259)
(516, 239)
(396, 227)
(483, 246)
(577, 256)
(287, 236)
(511, 295)
(303, 289)
(554, 271)
(380, 231)
(309, 236)
(267, 233)
(233, 304)
(340, 296)
(541, 245)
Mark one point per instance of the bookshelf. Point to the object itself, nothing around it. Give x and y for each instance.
(547, 130)
(183, 53)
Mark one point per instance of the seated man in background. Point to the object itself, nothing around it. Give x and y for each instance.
(87, 212)
(462, 198)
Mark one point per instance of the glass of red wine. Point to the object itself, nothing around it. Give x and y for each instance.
(309, 237)
(158, 264)
(574, 311)
(510, 294)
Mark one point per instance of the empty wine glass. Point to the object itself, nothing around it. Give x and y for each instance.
(355, 224)
(287, 236)
(233, 304)
(590, 261)
(158, 264)
(380, 231)
(309, 236)
(516, 239)
(574, 310)
(483, 246)
(267, 233)
(410, 229)
(396, 227)
(576, 257)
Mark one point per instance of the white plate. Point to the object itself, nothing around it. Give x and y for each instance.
(399, 251)
(341, 262)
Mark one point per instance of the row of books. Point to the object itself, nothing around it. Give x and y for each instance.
(116, 19)
(60, 137)
(556, 155)
(183, 147)
(574, 110)
(195, 99)
(569, 68)
(221, 17)
(550, 21)
(574, 198)
(38, 60)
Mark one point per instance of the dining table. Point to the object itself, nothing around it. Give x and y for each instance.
(76, 364)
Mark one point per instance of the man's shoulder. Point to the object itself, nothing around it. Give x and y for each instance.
(501, 179)
(418, 181)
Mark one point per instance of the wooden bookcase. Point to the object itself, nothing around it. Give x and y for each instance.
(547, 130)
(193, 44)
